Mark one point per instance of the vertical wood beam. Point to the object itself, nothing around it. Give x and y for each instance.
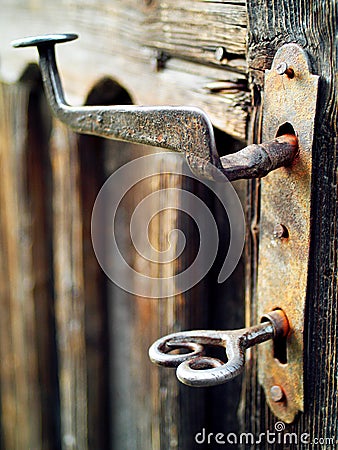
(313, 26)
(26, 269)
(69, 288)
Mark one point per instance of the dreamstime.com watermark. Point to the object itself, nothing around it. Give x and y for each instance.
(110, 253)
(278, 436)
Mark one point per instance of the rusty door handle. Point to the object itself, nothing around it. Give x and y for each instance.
(184, 129)
(195, 369)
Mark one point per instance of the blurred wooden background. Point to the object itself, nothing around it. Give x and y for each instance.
(75, 372)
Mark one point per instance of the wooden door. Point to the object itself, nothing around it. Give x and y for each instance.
(269, 28)
(74, 367)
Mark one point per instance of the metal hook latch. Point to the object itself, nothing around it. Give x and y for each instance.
(195, 369)
(184, 129)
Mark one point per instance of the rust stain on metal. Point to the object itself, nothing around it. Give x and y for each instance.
(257, 160)
(285, 199)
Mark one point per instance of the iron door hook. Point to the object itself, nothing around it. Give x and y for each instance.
(183, 129)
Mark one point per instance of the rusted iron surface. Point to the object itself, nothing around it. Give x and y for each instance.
(183, 129)
(197, 370)
(257, 160)
(285, 225)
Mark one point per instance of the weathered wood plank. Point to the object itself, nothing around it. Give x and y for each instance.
(18, 355)
(28, 382)
(151, 409)
(312, 25)
(91, 178)
(120, 40)
(189, 29)
(147, 400)
(123, 39)
(195, 29)
(96, 319)
(69, 286)
(39, 193)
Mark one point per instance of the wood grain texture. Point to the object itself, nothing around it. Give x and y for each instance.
(29, 403)
(194, 29)
(69, 288)
(126, 40)
(150, 408)
(147, 401)
(39, 192)
(312, 25)
(95, 299)
(19, 372)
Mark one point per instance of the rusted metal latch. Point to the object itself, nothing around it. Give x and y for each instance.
(183, 129)
(290, 96)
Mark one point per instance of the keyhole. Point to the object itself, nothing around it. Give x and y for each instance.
(279, 345)
(280, 350)
(285, 128)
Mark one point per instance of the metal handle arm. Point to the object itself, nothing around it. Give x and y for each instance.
(184, 129)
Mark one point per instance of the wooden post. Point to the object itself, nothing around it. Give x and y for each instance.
(69, 288)
(29, 394)
(312, 25)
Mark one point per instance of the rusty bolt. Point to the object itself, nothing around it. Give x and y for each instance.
(220, 54)
(277, 394)
(283, 68)
(280, 231)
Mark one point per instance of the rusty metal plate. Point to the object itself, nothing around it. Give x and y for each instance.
(290, 96)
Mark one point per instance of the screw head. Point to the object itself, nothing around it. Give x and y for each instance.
(280, 231)
(282, 68)
(220, 54)
(277, 394)
(158, 61)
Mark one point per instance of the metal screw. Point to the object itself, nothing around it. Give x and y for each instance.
(280, 231)
(159, 60)
(220, 54)
(277, 394)
(282, 68)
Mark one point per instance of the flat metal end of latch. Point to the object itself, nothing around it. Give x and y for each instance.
(183, 129)
(45, 39)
